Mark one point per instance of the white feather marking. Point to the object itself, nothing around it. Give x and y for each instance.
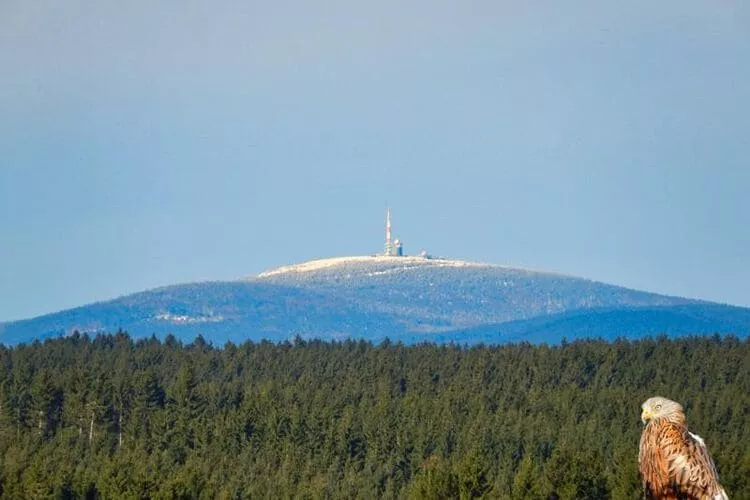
(698, 439)
(679, 463)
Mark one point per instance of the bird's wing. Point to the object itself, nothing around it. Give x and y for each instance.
(691, 469)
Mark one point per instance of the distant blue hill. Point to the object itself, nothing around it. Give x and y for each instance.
(220, 311)
(407, 299)
(610, 324)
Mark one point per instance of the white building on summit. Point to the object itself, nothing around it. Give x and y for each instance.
(393, 248)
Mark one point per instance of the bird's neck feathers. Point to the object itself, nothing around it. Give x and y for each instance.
(676, 419)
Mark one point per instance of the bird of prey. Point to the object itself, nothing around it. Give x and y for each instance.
(674, 463)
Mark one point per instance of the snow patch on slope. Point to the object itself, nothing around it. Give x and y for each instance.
(187, 319)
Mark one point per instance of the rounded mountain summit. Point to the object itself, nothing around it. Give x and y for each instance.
(408, 299)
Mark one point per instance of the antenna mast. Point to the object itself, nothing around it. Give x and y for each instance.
(388, 244)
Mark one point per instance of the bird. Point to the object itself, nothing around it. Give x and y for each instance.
(673, 462)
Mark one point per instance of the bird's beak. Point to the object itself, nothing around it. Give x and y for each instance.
(646, 415)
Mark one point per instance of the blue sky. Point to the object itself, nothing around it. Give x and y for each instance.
(144, 145)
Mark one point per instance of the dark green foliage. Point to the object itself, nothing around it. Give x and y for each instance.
(108, 417)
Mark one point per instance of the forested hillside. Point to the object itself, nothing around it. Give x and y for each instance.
(109, 417)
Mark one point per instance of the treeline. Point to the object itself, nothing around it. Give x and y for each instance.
(109, 417)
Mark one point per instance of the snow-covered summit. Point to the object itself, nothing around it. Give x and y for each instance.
(365, 260)
(402, 298)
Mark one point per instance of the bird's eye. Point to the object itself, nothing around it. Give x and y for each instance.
(657, 407)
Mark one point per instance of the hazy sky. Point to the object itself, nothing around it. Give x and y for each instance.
(149, 143)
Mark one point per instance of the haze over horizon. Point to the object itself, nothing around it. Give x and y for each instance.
(144, 144)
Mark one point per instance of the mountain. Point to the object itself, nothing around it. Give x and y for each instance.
(410, 299)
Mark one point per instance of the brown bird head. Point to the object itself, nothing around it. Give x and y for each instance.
(659, 407)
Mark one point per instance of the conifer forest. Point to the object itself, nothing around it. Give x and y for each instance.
(113, 417)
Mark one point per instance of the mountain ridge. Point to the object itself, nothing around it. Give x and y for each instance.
(402, 298)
